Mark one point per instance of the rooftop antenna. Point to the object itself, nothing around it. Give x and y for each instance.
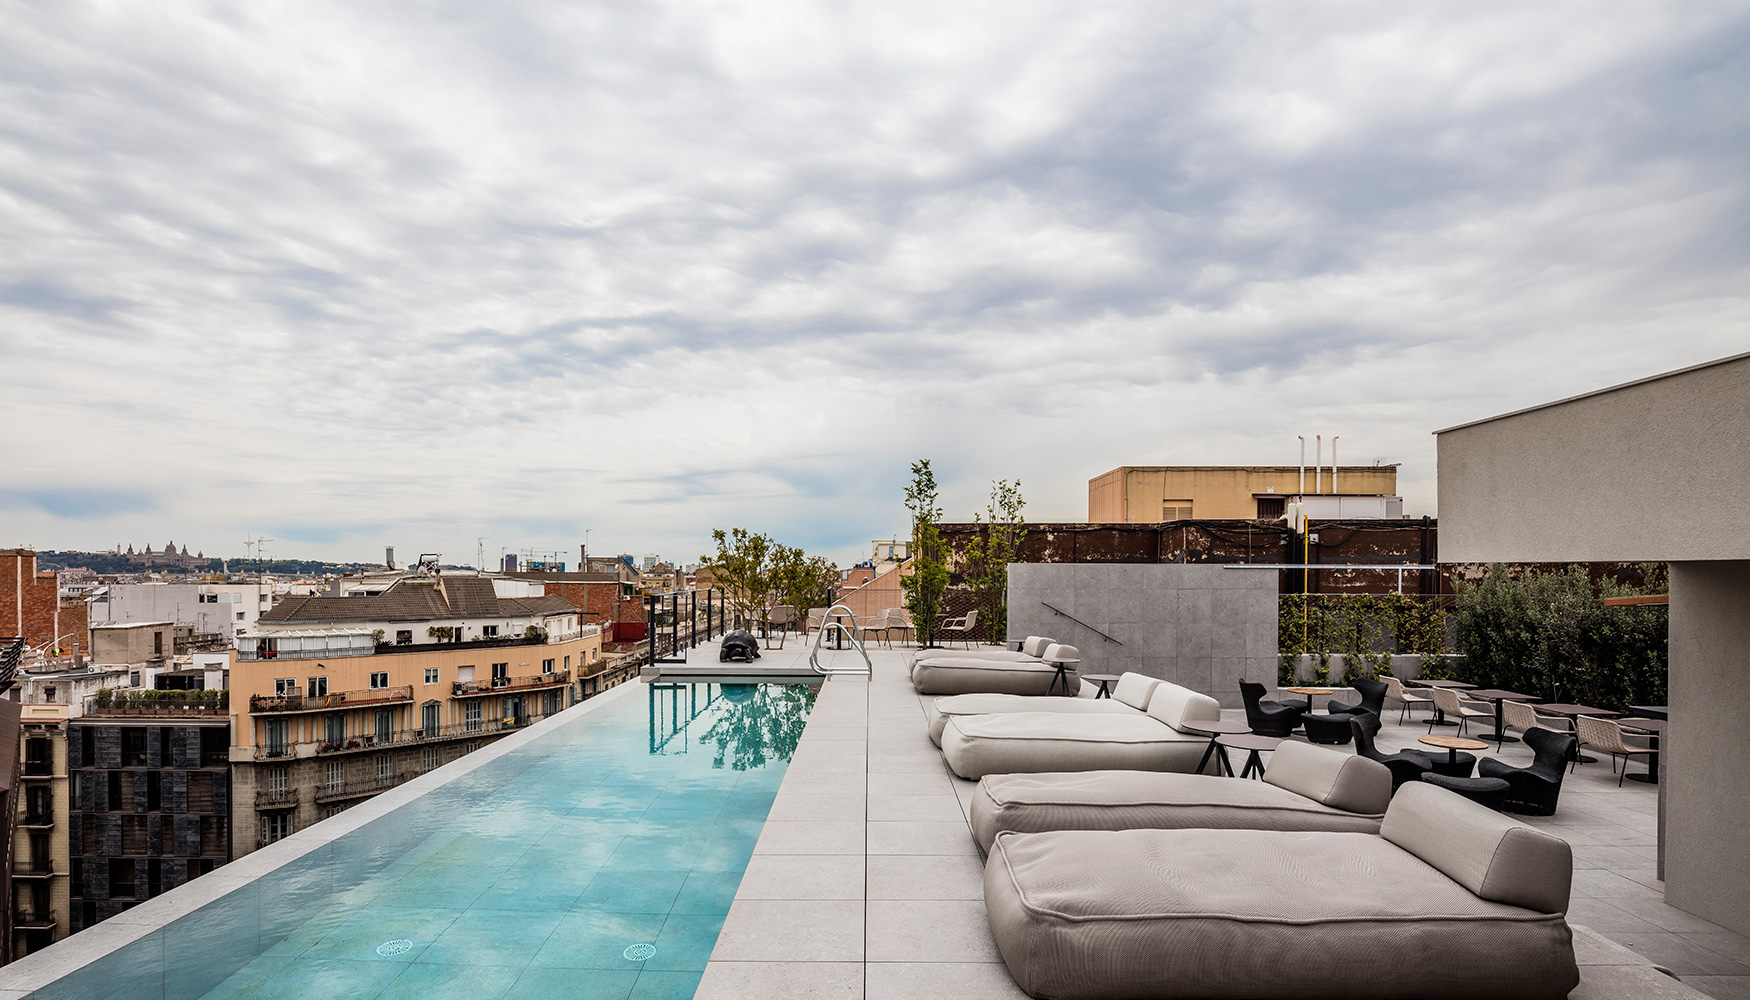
(1319, 464)
(480, 551)
(261, 553)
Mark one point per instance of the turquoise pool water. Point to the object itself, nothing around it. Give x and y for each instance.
(597, 861)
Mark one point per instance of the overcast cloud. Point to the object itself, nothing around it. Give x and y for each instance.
(362, 274)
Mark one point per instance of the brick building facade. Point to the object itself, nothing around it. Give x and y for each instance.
(31, 606)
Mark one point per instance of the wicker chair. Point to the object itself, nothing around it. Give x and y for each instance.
(1394, 689)
(1268, 718)
(1605, 735)
(1523, 717)
(1405, 765)
(1534, 789)
(1459, 710)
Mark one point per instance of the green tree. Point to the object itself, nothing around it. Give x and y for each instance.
(742, 567)
(800, 580)
(928, 579)
(989, 553)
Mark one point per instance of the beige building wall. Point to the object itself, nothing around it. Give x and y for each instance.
(1151, 494)
(1652, 470)
(44, 899)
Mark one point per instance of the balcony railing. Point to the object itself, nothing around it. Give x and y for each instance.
(260, 703)
(39, 768)
(37, 819)
(33, 867)
(508, 685)
(33, 920)
(304, 654)
(128, 702)
(276, 798)
(399, 738)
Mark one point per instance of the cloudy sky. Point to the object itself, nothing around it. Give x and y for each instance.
(350, 275)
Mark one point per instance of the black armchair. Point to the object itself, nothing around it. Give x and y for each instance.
(1405, 765)
(1372, 700)
(1268, 718)
(1533, 789)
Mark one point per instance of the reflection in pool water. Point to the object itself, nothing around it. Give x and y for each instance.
(747, 725)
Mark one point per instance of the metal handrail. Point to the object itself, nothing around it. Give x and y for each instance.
(1083, 624)
(855, 633)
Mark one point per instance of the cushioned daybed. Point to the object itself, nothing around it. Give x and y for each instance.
(1304, 788)
(1031, 742)
(958, 675)
(1129, 697)
(1449, 901)
(1032, 648)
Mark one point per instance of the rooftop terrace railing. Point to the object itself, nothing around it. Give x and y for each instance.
(264, 703)
(505, 685)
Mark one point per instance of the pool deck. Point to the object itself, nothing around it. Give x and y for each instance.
(866, 881)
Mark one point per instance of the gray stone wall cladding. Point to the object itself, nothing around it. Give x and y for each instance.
(1200, 626)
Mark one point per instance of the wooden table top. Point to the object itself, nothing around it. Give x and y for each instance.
(1496, 694)
(1312, 690)
(1562, 709)
(1453, 742)
(1249, 741)
(1214, 728)
(1648, 711)
(1102, 677)
(1458, 685)
(1644, 725)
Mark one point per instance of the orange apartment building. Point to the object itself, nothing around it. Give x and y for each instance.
(336, 699)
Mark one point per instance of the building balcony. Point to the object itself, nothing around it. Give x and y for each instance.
(262, 704)
(399, 738)
(335, 791)
(509, 685)
(276, 798)
(32, 819)
(33, 920)
(39, 769)
(33, 868)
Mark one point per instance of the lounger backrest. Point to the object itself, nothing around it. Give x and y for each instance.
(1339, 780)
(1497, 858)
(1034, 645)
(1059, 653)
(1175, 705)
(1134, 689)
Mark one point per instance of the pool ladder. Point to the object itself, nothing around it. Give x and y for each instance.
(853, 632)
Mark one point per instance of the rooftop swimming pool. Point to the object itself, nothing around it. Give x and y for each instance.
(596, 860)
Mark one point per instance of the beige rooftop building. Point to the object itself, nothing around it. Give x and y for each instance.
(1148, 494)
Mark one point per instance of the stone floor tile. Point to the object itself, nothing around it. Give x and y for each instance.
(912, 930)
(781, 981)
(910, 784)
(925, 876)
(786, 930)
(1721, 987)
(949, 980)
(803, 876)
(1609, 885)
(911, 837)
(930, 808)
(1665, 916)
(1604, 915)
(810, 837)
(1678, 953)
(794, 806)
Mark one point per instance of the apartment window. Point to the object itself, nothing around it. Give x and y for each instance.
(471, 716)
(285, 687)
(471, 746)
(431, 675)
(385, 770)
(134, 747)
(115, 792)
(318, 687)
(489, 631)
(275, 826)
(334, 728)
(154, 792)
(121, 878)
(379, 679)
(76, 788)
(385, 725)
(277, 737)
(1175, 510)
(430, 759)
(334, 809)
(568, 664)
(158, 643)
(334, 776)
(428, 719)
(263, 598)
(500, 674)
(547, 666)
(279, 782)
(239, 616)
(465, 673)
(403, 637)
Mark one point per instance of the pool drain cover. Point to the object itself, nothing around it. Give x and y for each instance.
(400, 946)
(640, 952)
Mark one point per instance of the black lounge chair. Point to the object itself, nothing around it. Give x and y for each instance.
(1328, 729)
(1268, 718)
(1372, 700)
(1534, 789)
(1405, 765)
(1490, 792)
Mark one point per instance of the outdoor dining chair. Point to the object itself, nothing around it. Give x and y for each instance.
(1605, 735)
(1458, 709)
(959, 627)
(1394, 689)
(779, 618)
(1518, 715)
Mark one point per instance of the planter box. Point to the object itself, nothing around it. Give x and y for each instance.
(1407, 666)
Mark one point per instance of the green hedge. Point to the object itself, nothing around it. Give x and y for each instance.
(1548, 636)
(1366, 629)
(106, 698)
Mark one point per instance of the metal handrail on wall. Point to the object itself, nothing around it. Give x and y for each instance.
(854, 632)
(1083, 624)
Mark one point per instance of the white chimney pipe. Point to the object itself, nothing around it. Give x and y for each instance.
(1333, 463)
(1302, 462)
(1319, 463)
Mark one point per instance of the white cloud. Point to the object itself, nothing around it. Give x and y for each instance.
(414, 274)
